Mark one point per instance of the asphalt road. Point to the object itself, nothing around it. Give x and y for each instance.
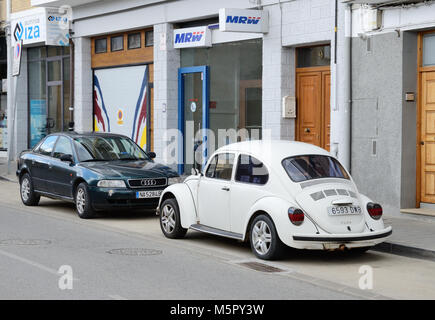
(123, 255)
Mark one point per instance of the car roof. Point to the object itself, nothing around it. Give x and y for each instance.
(74, 134)
(279, 149)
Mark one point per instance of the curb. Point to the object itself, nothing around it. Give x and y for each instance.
(406, 251)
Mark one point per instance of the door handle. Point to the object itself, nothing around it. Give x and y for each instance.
(422, 142)
(226, 188)
(307, 130)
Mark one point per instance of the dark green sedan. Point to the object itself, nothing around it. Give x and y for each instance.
(96, 171)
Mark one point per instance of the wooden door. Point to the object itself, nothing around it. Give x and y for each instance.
(313, 106)
(427, 97)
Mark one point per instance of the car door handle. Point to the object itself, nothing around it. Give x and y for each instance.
(226, 188)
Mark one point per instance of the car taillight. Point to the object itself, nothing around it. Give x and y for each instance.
(375, 210)
(296, 216)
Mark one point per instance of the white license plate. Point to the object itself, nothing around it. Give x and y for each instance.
(148, 194)
(344, 210)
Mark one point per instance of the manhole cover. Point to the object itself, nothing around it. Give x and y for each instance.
(261, 267)
(24, 242)
(135, 252)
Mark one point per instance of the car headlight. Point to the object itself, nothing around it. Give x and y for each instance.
(174, 180)
(111, 184)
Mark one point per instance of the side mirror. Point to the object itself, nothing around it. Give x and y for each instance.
(152, 155)
(67, 158)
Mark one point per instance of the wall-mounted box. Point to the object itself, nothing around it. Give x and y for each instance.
(289, 107)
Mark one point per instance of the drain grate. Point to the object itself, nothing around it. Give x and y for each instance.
(24, 242)
(135, 252)
(257, 266)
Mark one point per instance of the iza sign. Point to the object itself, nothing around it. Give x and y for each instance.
(192, 37)
(43, 26)
(241, 20)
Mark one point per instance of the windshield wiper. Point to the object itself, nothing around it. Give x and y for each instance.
(91, 160)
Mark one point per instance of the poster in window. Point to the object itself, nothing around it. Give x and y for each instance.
(121, 102)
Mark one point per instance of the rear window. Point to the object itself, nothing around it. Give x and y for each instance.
(308, 167)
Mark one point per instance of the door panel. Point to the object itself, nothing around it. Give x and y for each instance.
(313, 107)
(326, 88)
(309, 101)
(428, 137)
(193, 119)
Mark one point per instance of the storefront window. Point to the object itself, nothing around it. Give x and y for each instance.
(48, 91)
(235, 84)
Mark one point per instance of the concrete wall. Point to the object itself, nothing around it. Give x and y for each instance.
(409, 121)
(83, 107)
(377, 115)
(166, 64)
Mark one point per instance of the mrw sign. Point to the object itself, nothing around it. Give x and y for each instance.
(192, 37)
(241, 20)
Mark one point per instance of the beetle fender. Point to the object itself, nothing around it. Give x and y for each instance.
(186, 204)
(277, 209)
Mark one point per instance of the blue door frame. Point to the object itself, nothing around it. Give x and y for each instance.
(205, 111)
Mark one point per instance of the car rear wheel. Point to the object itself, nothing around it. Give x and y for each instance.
(170, 220)
(265, 243)
(28, 195)
(83, 202)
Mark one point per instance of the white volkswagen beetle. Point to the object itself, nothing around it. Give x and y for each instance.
(274, 193)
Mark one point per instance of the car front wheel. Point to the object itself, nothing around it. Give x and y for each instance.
(170, 220)
(265, 243)
(28, 195)
(83, 202)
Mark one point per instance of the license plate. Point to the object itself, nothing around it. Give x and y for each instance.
(344, 210)
(148, 194)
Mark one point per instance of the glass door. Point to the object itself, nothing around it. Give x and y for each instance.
(193, 105)
(54, 95)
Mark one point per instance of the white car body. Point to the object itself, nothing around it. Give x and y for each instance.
(226, 208)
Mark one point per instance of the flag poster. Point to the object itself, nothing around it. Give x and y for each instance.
(121, 102)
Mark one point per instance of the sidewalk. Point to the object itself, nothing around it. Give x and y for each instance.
(413, 235)
(4, 170)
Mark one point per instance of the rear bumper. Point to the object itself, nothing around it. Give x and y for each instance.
(351, 240)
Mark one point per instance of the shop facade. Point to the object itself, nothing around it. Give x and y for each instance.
(393, 94)
(232, 84)
(39, 98)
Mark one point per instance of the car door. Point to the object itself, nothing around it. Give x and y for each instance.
(61, 173)
(250, 177)
(40, 164)
(214, 192)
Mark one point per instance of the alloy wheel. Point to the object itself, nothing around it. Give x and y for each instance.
(25, 189)
(168, 221)
(80, 200)
(261, 237)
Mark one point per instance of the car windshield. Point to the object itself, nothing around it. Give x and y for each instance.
(97, 148)
(307, 167)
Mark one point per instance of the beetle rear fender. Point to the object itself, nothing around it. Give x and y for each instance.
(186, 204)
(277, 209)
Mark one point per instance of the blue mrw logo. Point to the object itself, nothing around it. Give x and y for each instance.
(242, 19)
(188, 37)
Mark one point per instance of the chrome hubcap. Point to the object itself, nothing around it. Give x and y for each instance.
(25, 189)
(168, 218)
(261, 237)
(80, 201)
